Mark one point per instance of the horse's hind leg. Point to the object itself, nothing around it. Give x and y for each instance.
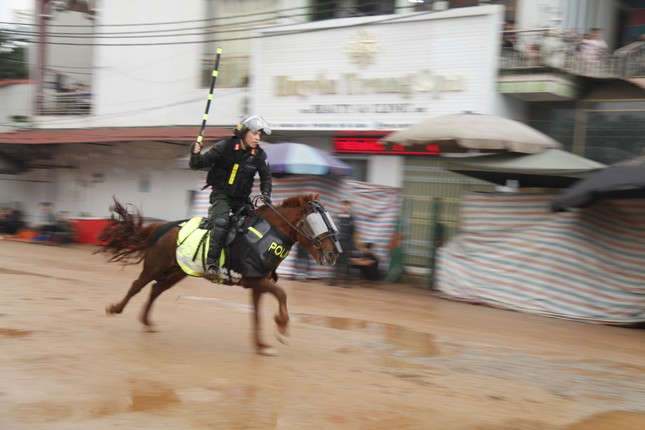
(168, 279)
(137, 285)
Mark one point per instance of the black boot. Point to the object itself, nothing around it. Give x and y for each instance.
(218, 235)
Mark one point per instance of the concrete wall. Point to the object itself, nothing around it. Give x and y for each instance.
(15, 100)
(142, 173)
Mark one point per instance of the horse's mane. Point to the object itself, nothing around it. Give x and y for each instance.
(294, 202)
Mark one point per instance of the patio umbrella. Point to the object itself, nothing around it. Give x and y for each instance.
(552, 168)
(300, 159)
(469, 132)
(625, 179)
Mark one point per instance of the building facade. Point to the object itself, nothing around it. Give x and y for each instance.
(337, 78)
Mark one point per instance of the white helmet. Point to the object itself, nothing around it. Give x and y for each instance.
(251, 123)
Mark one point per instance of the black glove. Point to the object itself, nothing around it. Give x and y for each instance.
(192, 149)
(266, 199)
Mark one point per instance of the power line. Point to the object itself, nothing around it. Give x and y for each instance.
(252, 25)
(313, 7)
(277, 34)
(44, 120)
(118, 34)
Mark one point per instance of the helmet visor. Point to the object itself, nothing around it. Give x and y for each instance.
(256, 123)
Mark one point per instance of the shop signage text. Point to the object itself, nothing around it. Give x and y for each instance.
(373, 145)
(424, 81)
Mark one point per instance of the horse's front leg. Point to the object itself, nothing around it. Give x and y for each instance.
(260, 347)
(259, 287)
(282, 317)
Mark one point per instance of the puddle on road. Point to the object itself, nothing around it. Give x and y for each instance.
(401, 343)
(153, 397)
(142, 401)
(612, 420)
(12, 332)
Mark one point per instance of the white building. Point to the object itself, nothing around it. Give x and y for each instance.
(148, 67)
(337, 78)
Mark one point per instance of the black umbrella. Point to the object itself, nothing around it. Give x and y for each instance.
(625, 179)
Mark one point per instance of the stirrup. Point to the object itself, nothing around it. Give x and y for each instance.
(212, 272)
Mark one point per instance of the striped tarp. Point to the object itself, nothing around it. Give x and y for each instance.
(512, 252)
(376, 209)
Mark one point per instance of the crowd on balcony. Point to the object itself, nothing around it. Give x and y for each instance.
(583, 54)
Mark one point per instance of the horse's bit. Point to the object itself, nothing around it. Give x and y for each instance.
(315, 225)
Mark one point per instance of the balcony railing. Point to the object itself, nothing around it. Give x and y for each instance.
(540, 51)
(66, 103)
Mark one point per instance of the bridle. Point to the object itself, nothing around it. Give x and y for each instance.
(316, 224)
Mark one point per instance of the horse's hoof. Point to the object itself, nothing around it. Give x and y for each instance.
(282, 337)
(148, 328)
(268, 351)
(109, 310)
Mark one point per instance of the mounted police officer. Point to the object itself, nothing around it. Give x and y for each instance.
(233, 164)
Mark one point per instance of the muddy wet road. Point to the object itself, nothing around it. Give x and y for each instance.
(386, 357)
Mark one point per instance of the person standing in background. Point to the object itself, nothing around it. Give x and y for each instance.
(365, 260)
(593, 46)
(47, 221)
(346, 240)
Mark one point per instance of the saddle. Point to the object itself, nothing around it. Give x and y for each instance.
(252, 247)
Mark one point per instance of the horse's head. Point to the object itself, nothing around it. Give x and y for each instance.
(310, 225)
(320, 232)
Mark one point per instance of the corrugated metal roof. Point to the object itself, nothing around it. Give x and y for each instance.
(104, 135)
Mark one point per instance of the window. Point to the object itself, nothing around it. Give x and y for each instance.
(605, 131)
(360, 168)
(615, 135)
(330, 9)
(230, 27)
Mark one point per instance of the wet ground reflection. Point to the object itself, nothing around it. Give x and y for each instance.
(613, 420)
(396, 344)
(12, 332)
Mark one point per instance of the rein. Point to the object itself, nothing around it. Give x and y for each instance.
(256, 198)
(314, 240)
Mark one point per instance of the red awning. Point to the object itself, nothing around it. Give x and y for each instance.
(105, 135)
(9, 82)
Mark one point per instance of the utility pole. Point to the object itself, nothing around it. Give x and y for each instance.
(41, 20)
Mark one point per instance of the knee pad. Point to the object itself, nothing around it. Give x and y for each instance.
(221, 222)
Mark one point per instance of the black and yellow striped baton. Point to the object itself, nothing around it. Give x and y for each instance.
(210, 95)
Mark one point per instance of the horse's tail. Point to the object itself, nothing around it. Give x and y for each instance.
(125, 236)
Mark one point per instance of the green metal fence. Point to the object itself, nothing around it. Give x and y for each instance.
(431, 210)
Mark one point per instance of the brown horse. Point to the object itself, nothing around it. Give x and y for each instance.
(299, 219)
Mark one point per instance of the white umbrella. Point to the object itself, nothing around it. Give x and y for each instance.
(470, 132)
